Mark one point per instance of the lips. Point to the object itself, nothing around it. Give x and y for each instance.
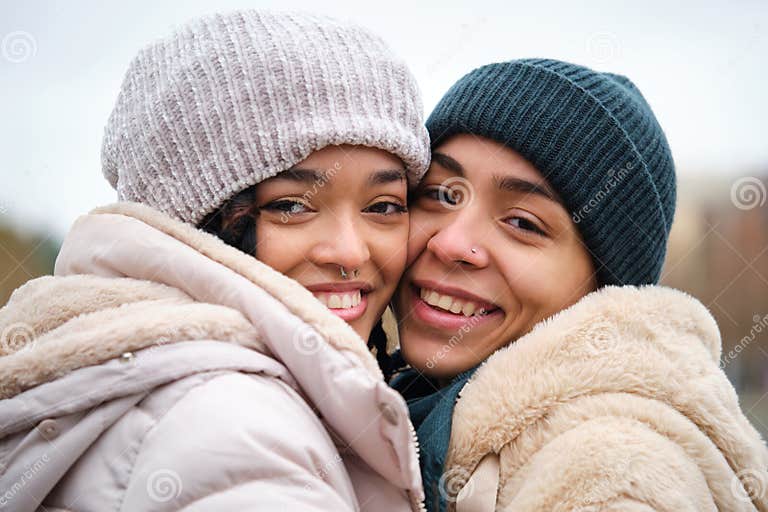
(450, 308)
(346, 300)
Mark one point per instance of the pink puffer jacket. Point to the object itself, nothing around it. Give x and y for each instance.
(161, 369)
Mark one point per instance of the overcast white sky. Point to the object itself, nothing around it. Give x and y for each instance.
(701, 65)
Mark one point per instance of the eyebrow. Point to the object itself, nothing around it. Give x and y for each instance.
(301, 175)
(313, 175)
(388, 176)
(506, 183)
(512, 184)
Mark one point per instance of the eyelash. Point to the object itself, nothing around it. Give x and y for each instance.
(280, 203)
(439, 193)
(277, 206)
(534, 229)
(398, 207)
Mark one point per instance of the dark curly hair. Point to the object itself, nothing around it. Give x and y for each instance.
(234, 222)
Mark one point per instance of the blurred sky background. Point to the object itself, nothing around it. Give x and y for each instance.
(701, 65)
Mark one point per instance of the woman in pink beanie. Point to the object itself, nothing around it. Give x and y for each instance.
(165, 368)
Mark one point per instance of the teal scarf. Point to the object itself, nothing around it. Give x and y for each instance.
(431, 411)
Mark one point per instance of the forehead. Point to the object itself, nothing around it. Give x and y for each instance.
(350, 156)
(484, 157)
(485, 162)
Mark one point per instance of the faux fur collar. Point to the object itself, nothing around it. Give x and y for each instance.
(648, 355)
(54, 325)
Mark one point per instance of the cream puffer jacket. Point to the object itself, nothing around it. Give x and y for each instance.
(160, 369)
(617, 403)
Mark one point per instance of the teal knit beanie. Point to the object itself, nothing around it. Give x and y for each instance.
(593, 137)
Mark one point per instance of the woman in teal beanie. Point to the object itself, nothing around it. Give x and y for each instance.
(549, 371)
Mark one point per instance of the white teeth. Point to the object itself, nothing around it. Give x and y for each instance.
(449, 303)
(340, 300)
(445, 302)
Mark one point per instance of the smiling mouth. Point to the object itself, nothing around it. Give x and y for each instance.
(348, 304)
(456, 305)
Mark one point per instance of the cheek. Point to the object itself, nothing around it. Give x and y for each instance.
(389, 253)
(420, 231)
(279, 247)
(546, 282)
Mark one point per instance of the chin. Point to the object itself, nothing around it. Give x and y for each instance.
(439, 362)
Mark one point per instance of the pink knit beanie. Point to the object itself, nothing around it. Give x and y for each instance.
(231, 100)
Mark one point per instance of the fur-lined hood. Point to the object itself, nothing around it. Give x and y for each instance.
(616, 403)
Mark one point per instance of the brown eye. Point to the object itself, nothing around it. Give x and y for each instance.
(524, 224)
(286, 206)
(386, 208)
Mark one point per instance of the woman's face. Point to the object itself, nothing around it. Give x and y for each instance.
(343, 206)
(491, 252)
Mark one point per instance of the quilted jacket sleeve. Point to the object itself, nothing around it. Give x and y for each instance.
(237, 442)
